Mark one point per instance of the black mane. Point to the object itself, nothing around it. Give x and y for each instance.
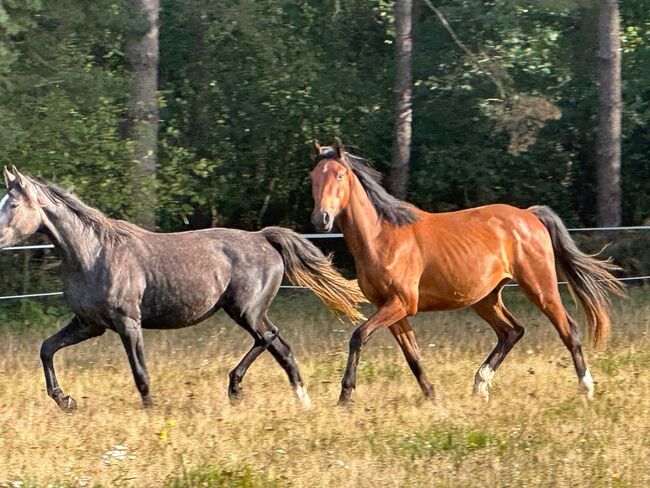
(391, 209)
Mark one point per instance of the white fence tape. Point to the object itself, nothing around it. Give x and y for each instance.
(332, 236)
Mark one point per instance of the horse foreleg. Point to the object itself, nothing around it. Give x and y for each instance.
(130, 332)
(405, 337)
(387, 315)
(73, 333)
(508, 331)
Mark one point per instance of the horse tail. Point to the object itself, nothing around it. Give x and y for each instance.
(590, 279)
(305, 265)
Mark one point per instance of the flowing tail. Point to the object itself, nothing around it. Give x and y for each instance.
(305, 265)
(589, 279)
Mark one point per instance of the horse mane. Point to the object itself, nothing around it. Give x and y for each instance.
(109, 230)
(393, 210)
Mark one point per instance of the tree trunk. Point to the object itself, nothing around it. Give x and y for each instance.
(142, 54)
(399, 174)
(609, 125)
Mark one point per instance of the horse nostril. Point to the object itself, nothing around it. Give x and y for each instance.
(326, 218)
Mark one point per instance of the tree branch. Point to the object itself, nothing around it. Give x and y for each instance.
(472, 56)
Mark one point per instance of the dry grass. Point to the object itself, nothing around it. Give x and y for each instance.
(537, 430)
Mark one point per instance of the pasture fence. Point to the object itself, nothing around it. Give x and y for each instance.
(330, 236)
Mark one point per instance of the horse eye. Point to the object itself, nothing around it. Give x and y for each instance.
(13, 205)
(340, 176)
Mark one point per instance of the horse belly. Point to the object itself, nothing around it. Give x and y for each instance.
(180, 307)
(436, 302)
(452, 291)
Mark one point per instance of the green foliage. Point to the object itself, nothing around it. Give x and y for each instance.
(64, 101)
(245, 86)
(31, 314)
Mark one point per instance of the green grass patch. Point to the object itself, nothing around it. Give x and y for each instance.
(612, 365)
(434, 441)
(380, 369)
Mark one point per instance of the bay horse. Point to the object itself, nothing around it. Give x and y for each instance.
(121, 277)
(409, 260)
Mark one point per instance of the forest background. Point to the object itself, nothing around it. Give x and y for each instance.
(188, 114)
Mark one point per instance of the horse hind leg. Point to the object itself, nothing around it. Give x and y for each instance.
(281, 351)
(405, 337)
(549, 302)
(263, 334)
(508, 331)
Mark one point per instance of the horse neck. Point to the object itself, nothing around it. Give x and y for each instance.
(360, 223)
(78, 243)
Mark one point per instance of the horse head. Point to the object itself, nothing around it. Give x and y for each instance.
(20, 213)
(330, 185)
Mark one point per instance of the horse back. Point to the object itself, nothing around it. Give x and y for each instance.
(178, 279)
(465, 255)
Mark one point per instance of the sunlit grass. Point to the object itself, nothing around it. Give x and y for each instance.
(536, 431)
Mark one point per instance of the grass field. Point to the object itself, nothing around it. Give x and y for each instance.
(536, 431)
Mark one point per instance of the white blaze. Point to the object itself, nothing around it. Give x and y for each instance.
(4, 200)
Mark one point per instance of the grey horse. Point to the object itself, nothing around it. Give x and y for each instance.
(119, 276)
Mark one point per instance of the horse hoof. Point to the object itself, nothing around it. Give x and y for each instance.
(147, 402)
(431, 399)
(481, 392)
(345, 399)
(587, 392)
(303, 397)
(67, 404)
(587, 385)
(235, 397)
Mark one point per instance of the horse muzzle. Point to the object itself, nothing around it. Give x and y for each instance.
(322, 221)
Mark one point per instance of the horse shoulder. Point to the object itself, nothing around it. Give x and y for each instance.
(396, 268)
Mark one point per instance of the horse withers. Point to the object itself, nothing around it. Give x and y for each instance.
(411, 261)
(118, 276)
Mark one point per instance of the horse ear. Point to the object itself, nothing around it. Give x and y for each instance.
(8, 176)
(27, 187)
(20, 179)
(338, 146)
(318, 148)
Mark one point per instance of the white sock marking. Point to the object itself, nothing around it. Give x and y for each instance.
(482, 381)
(486, 373)
(587, 384)
(302, 395)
